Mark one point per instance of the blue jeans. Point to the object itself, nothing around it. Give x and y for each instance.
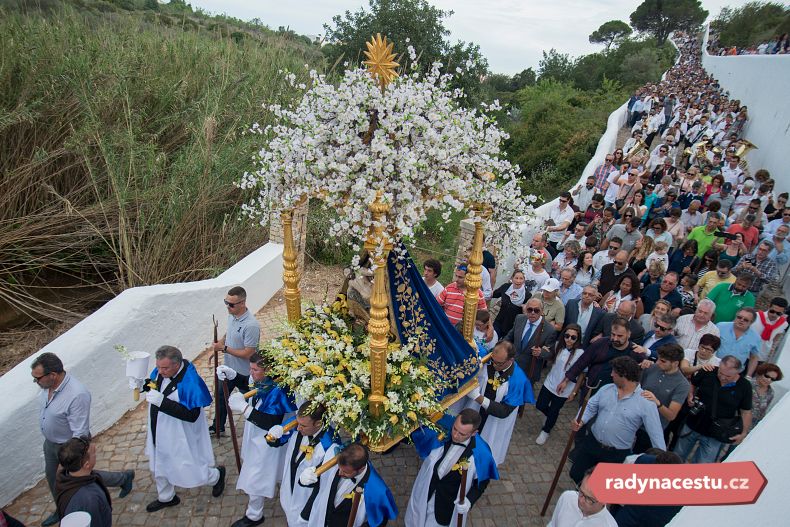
(707, 452)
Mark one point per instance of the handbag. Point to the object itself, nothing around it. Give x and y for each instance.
(723, 428)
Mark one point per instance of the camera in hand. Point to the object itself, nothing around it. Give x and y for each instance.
(697, 407)
(725, 235)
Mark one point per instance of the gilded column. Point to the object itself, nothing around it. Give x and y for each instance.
(379, 245)
(293, 300)
(473, 280)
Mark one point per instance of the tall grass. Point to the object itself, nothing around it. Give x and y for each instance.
(120, 137)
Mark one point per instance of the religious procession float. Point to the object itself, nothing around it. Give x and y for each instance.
(382, 147)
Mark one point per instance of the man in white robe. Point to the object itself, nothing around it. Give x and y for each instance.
(503, 388)
(263, 464)
(435, 497)
(333, 493)
(178, 444)
(309, 445)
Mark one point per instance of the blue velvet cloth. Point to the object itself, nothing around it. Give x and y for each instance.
(418, 315)
(379, 503)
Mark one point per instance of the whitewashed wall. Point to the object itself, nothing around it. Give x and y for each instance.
(760, 82)
(141, 318)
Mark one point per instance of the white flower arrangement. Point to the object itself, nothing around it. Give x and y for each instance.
(412, 143)
(322, 360)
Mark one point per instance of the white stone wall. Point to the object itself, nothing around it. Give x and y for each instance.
(760, 82)
(141, 318)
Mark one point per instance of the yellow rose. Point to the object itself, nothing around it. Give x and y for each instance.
(395, 380)
(411, 415)
(394, 419)
(405, 367)
(302, 359)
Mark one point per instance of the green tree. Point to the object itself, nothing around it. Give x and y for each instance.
(406, 22)
(556, 66)
(152, 5)
(526, 77)
(641, 67)
(751, 24)
(610, 33)
(661, 17)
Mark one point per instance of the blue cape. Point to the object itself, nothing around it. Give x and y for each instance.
(519, 390)
(192, 391)
(276, 402)
(426, 439)
(379, 503)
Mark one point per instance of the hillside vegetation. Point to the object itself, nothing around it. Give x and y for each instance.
(121, 132)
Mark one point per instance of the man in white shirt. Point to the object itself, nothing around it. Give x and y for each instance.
(692, 217)
(560, 218)
(583, 194)
(577, 508)
(771, 324)
(607, 255)
(731, 172)
(431, 269)
(690, 328)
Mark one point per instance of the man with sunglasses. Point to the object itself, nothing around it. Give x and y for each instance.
(611, 273)
(771, 325)
(560, 218)
(65, 414)
(238, 345)
(581, 507)
(739, 340)
(773, 225)
(532, 336)
(661, 335)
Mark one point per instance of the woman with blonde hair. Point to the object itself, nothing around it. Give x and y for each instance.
(642, 249)
(661, 308)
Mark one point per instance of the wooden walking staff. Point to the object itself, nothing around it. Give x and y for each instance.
(568, 446)
(352, 517)
(231, 424)
(462, 495)
(216, 382)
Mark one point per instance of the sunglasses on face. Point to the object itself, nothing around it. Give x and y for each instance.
(532, 310)
(571, 337)
(563, 201)
(662, 328)
(233, 304)
(769, 377)
(774, 312)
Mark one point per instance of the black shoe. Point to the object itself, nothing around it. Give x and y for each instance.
(52, 519)
(157, 505)
(212, 430)
(219, 486)
(246, 522)
(126, 486)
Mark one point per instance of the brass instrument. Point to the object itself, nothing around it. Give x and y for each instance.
(745, 148)
(639, 149)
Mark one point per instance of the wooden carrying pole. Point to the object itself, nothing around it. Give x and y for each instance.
(567, 450)
(232, 425)
(352, 516)
(462, 496)
(217, 424)
(287, 428)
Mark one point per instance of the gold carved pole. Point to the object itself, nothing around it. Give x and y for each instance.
(378, 245)
(293, 300)
(474, 278)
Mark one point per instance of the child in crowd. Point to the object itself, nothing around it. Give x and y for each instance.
(659, 254)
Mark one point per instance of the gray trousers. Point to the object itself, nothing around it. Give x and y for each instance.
(111, 479)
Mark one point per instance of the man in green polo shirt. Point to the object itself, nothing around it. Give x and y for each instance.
(729, 298)
(705, 235)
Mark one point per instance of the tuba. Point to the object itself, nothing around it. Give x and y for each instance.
(745, 148)
(638, 150)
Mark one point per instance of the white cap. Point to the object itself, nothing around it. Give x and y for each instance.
(552, 284)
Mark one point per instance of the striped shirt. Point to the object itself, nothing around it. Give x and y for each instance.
(452, 301)
(600, 175)
(687, 333)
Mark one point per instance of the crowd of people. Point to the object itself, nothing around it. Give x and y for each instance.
(641, 290)
(638, 297)
(778, 45)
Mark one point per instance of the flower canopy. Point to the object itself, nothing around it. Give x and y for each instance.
(411, 142)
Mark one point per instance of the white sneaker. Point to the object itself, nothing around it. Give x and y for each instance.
(542, 437)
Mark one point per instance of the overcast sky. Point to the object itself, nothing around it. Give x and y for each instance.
(511, 33)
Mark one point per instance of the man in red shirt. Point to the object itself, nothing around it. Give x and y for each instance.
(452, 298)
(746, 229)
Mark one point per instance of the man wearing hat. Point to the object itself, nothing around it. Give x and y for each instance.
(553, 308)
(725, 197)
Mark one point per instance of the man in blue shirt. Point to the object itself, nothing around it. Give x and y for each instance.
(739, 340)
(666, 290)
(621, 410)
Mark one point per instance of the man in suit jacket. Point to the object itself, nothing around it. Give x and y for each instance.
(626, 310)
(529, 335)
(584, 312)
(664, 327)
